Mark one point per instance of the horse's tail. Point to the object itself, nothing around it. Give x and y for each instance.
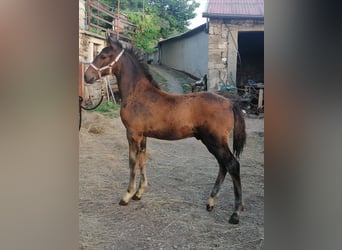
(239, 136)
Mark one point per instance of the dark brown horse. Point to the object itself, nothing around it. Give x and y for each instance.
(147, 111)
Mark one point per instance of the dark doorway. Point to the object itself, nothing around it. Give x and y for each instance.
(251, 60)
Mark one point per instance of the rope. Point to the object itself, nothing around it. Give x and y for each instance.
(80, 99)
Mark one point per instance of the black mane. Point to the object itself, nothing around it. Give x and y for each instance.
(139, 56)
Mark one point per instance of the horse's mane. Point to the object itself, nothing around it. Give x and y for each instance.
(139, 56)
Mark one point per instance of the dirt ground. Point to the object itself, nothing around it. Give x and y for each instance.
(172, 213)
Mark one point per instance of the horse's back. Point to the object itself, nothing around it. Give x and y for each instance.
(213, 103)
(200, 108)
(213, 113)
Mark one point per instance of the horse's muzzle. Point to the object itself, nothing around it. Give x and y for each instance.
(90, 79)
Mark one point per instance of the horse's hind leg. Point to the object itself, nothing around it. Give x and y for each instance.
(227, 162)
(234, 170)
(219, 152)
(215, 191)
(143, 179)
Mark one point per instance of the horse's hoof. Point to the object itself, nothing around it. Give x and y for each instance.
(123, 203)
(210, 208)
(136, 198)
(234, 219)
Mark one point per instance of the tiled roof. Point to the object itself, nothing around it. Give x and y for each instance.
(234, 8)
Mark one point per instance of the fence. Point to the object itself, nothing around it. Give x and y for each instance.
(102, 18)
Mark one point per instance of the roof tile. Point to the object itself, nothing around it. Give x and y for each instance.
(246, 8)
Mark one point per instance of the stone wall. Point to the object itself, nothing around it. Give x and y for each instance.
(89, 45)
(81, 15)
(223, 49)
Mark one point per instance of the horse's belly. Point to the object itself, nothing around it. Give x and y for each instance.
(171, 133)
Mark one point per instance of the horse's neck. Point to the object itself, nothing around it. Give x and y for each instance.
(126, 77)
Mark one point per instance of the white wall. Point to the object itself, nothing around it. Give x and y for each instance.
(188, 54)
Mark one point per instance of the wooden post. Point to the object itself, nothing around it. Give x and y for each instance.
(261, 97)
(118, 22)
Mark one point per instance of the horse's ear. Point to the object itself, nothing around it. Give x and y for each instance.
(113, 42)
(108, 39)
(111, 39)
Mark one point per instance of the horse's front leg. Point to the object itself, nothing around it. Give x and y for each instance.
(143, 178)
(133, 162)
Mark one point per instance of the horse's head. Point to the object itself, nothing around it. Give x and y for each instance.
(104, 62)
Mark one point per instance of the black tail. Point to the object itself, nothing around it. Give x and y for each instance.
(239, 137)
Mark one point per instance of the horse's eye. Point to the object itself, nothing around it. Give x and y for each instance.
(102, 57)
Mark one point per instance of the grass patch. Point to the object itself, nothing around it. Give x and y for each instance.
(108, 109)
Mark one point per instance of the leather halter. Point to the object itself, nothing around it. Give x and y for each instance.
(109, 66)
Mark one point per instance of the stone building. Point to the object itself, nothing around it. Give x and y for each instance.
(236, 42)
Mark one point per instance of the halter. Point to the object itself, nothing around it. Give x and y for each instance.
(109, 66)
